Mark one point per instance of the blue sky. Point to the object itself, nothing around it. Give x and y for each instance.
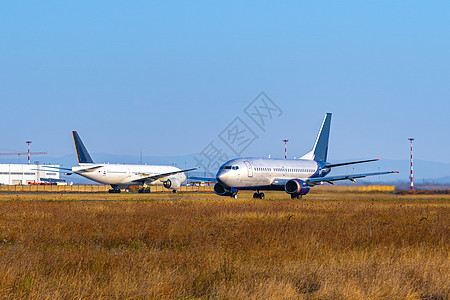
(168, 77)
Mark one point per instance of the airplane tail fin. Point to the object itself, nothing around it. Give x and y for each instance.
(82, 153)
(320, 149)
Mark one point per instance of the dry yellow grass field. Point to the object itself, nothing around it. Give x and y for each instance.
(131, 246)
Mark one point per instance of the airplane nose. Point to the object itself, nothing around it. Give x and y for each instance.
(222, 177)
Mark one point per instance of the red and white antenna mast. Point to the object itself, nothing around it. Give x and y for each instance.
(29, 153)
(285, 148)
(25, 153)
(411, 176)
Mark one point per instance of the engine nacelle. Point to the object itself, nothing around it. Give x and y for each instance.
(296, 187)
(221, 191)
(172, 183)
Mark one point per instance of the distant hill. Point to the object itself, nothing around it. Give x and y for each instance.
(442, 180)
(424, 171)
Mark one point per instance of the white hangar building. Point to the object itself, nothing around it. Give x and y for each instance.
(15, 174)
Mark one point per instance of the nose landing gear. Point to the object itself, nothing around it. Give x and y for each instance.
(258, 195)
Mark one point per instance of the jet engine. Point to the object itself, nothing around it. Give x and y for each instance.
(220, 190)
(296, 187)
(172, 183)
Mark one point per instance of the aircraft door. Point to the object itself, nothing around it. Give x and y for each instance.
(249, 168)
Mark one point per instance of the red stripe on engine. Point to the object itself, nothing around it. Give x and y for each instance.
(299, 185)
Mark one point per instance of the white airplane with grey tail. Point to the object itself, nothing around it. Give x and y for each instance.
(294, 176)
(121, 176)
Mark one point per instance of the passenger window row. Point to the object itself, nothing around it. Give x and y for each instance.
(293, 170)
(264, 169)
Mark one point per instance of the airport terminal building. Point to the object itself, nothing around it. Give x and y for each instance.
(16, 174)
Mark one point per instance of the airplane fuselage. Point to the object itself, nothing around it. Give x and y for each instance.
(118, 174)
(262, 173)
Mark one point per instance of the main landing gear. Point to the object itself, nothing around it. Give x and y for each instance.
(115, 189)
(296, 196)
(144, 191)
(258, 195)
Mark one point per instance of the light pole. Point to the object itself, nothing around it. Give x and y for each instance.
(29, 153)
(411, 175)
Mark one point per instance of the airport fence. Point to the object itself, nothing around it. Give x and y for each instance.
(94, 188)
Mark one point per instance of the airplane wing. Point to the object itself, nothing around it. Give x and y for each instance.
(331, 179)
(162, 175)
(352, 177)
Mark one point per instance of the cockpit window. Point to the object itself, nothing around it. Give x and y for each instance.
(229, 167)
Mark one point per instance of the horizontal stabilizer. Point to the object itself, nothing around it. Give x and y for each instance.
(351, 163)
(54, 169)
(90, 169)
(75, 169)
(57, 168)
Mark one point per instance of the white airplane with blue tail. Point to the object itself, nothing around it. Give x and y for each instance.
(294, 176)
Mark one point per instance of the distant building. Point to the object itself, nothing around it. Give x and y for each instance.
(15, 174)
